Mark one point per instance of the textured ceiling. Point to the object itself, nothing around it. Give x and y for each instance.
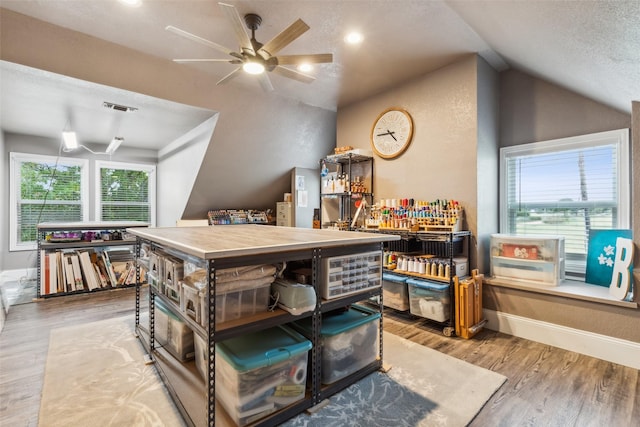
(590, 47)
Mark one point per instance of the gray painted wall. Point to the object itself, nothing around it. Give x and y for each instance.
(440, 163)
(534, 110)
(487, 160)
(455, 153)
(259, 136)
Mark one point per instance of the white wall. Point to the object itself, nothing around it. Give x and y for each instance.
(4, 196)
(178, 167)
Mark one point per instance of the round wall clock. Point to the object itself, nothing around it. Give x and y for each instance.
(391, 133)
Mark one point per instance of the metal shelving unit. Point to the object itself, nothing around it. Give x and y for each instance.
(79, 227)
(344, 201)
(446, 244)
(178, 377)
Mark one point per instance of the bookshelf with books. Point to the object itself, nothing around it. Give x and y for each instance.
(79, 257)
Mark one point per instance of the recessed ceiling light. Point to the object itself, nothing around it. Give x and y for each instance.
(305, 68)
(131, 2)
(354, 37)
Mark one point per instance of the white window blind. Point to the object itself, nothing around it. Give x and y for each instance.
(45, 189)
(567, 187)
(125, 192)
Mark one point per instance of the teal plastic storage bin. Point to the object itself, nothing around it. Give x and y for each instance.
(430, 300)
(394, 291)
(260, 372)
(349, 341)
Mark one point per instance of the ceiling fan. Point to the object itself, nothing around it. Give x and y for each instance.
(255, 57)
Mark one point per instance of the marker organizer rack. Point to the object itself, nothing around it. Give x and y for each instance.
(409, 214)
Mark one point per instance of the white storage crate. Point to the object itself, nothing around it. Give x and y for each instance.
(537, 259)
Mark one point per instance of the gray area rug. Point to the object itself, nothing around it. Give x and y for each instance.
(95, 376)
(423, 388)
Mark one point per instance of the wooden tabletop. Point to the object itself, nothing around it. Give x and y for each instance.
(223, 241)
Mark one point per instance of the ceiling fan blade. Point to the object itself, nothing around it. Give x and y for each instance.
(229, 76)
(198, 39)
(293, 74)
(280, 41)
(232, 15)
(309, 59)
(265, 82)
(231, 61)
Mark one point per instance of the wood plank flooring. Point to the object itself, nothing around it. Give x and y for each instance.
(546, 386)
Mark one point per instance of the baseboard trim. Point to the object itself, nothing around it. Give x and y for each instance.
(18, 274)
(603, 347)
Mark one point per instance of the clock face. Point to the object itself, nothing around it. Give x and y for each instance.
(391, 133)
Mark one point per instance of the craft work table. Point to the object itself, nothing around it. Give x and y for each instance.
(214, 247)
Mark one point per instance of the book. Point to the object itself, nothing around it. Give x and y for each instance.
(53, 272)
(121, 270)
(68, 273)
(60, 268)
(45, 280)
(110, 273)
(88, 271)
(102, 278)
(78, 283)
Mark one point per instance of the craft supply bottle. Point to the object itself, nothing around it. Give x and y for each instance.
(421, 267)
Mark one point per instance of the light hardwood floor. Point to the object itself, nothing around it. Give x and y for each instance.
(546, 386)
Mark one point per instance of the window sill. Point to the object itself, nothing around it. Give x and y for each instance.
(568, 288)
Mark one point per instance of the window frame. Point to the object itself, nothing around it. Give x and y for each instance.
(619, 137)
(151, 169)
(15, 161)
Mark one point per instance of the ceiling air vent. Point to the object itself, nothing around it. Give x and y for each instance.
(123, 108)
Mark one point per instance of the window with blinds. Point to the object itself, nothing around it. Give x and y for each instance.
(125, 192)
(45, 189)
(567, 187)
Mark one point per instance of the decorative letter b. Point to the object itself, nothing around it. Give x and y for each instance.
(620, 279)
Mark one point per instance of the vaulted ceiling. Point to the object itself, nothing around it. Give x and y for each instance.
(590, 47)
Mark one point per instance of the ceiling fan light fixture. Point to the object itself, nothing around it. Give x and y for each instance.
(69, 140)
(114, 144)
(253, 67)
(354, 37)
(132, 3)
(305, 67)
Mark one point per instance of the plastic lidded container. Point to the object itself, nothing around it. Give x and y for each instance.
(260, 372)
(349, 340)
(430, 300)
